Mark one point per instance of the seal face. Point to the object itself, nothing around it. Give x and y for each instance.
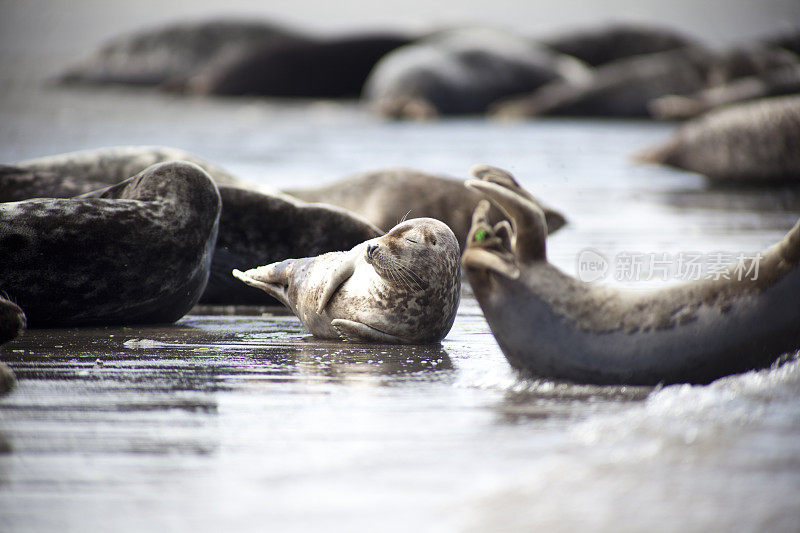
(136, 252)
(551, 325)
(403, 287)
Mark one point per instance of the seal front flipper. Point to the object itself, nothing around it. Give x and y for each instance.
(341, 274)
(358, 332)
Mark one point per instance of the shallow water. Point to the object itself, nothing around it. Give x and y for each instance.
(243, 422)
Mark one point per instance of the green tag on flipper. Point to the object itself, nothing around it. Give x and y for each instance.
(480, 235)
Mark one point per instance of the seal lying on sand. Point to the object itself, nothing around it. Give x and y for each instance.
(402, 287)
(254, 228)
(171, 53)
(777, 82)
(603, 44)
(85, 169)
(312, 68)
(756, 142)
(551, 325)
(623, 88)
(462, 72)
(136, 252)
(387, 196)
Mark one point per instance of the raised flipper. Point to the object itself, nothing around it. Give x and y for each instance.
(342, 273)
(358, 332)
(526, 216)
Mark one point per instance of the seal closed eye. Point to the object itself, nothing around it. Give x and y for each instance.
(551, 325)
(398, 288)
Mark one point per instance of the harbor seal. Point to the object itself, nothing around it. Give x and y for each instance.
(462, 72)
(755, 142)
(551, 325)
(387, 196)
(84, 170)
(598, 45)
(624, 88)
(333, 67)
(777, 82)
(254, 228)
(169, 54)
(136, 252)
(403, 287)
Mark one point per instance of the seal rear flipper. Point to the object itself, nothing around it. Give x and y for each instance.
(276, 290)
(358, 332)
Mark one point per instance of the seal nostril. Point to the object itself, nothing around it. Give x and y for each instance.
(371, 249)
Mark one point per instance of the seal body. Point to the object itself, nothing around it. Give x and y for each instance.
(624, 88)
(777, 82)
(403, 287)
(387, 196)
(603, 44)
(254, 229)
(136, 252)
(171, 53)
(755, 142)
(310, 68)
(83, 170)
(551, 325)
(462, 72)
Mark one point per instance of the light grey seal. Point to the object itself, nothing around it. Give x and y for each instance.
(136, 252)
(624, 88)
(403, 287)
(254, 228)
(462, 72)
(756, 142)
(551, 325)
(386, 196)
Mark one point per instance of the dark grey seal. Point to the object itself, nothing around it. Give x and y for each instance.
(137, 252)
(756, 142)
(402, 287)
(777, 82)
(462, 72)
(171, 53)
(625, 87)
(12, 324)
(83, 170)
(551, 325)
(335, 67)
(387, 196)
(598, 45)
(254, 229)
